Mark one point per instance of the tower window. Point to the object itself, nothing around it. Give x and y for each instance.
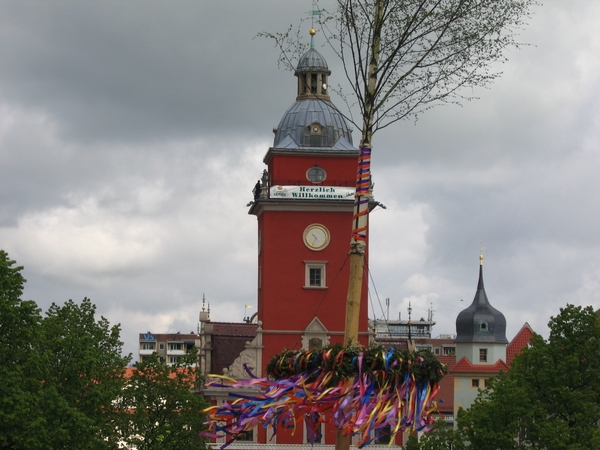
(316, 174)
(315, 344)
(313, 83)
(315, 275)
(483, 355)
(483, 326)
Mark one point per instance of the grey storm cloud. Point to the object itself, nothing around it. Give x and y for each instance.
(132, 133)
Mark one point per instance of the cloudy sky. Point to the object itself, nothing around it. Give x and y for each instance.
(132, 133)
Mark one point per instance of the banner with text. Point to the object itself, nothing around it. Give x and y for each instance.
(313, 192)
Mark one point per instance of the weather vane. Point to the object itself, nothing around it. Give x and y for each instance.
(314, 12)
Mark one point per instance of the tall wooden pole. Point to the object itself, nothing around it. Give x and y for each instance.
(358, 246)
(358, 241)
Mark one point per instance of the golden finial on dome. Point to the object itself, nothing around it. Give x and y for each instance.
(312, 31)
(481, 249)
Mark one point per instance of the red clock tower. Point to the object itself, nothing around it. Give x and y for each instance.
(304, 210)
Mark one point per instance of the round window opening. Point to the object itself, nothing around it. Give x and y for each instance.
(315, 174)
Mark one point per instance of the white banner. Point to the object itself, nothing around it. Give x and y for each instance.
(313, 192)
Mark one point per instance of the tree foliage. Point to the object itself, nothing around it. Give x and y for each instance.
(62, 379)
(549, 397)
(83, 375)
(159, 402)
(440, 437)
(20, 372)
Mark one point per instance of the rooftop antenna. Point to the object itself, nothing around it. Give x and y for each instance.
(387, 304)
(409, 321)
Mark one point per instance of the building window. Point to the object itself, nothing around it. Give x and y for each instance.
(147, 346)
(486, 383)
(161, 346)
(314, 275)
(317, 433)
(449, 350)
(316, 174)
(383, 436)
(483, 356)
(248, 436)
(315, 344)
(176, 346)
(483, 326)
(173, 359)
(475, 382)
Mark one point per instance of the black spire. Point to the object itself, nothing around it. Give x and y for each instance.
(481, 322)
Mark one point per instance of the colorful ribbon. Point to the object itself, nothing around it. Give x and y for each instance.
(390, 390)
(361, 202)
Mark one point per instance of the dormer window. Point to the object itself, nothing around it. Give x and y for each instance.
(483, 326)
(316, 128)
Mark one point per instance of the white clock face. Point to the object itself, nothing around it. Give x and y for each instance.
(316, 237)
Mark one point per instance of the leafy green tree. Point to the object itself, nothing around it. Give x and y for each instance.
(19, 366)
(549, 397)
(440, 437)
(83, 376)
(160, 409)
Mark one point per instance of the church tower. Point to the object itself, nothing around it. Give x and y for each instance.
(480, 346)
(304, 208)
(481, 329)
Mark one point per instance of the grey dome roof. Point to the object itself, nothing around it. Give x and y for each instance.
(312, 61)
(293, 130)
(481, 322)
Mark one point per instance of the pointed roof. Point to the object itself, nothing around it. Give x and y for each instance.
(465, 366)
(519, 342)
(481, 322)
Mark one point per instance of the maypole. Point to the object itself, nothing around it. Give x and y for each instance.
(360, 390)
(358, 242)
(363, 183)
